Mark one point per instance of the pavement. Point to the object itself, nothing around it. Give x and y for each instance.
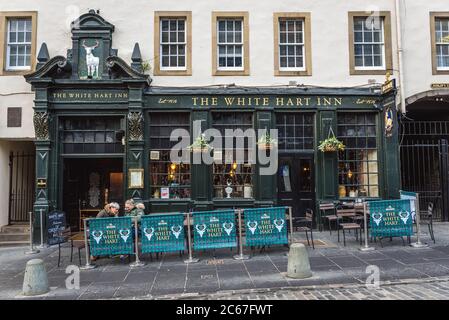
(218, 276)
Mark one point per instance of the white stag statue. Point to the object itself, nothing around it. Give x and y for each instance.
(92, 62)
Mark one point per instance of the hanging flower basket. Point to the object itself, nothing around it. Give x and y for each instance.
(331, 144)
(266, 142)
(200, 145)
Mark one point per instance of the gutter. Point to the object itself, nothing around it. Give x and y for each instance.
(400, 56)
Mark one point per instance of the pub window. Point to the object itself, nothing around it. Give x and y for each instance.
(18, 44)
(90, 135)
(358, 164)
(229, 172)
(230, 43)
(370, 43)
(172, 43)
(168, 180)
(442, 43)
(295, 131)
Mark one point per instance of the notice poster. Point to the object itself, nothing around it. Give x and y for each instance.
(165, 193)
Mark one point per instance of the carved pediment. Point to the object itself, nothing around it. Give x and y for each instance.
(91, 56)
(56, 68)
(119, 69)
(91, 21)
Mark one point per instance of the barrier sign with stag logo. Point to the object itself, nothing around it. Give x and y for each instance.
(214, 229)
(390, 218)
(90, 59)
(162, 233)
(265, 226)
(109, 236)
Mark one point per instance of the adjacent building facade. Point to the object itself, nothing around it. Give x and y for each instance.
(109, 87)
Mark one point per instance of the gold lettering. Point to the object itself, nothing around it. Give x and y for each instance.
(214, 101)
(195, 99)
(240, 101)
(204, 101)
(279, 101)
(289, 102)
(229, 101)
(266, 101)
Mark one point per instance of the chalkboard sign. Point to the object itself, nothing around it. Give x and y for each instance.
(56, 224)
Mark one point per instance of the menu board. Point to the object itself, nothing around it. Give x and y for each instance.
(56, 224)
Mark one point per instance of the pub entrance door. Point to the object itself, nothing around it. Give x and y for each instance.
(296, 183)
(88, 185)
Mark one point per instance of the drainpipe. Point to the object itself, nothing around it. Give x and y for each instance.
(400, 58)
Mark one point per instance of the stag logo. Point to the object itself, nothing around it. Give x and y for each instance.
(92, 62)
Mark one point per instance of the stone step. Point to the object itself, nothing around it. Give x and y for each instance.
(13, 243)
(14, 237)
(15, 229)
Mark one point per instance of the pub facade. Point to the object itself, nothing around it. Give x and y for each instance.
(103, 134)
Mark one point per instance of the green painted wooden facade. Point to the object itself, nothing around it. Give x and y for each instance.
(123, 90)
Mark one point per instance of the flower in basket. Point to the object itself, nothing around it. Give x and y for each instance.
(200, 144)
(331, 144)
(266, 142)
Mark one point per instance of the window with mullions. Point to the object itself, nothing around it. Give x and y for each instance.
(291, 44)
(369, 44)
(230, 44)
(18, 54)
(295, 131)
(168, 180)
(173, 43)
(90, 135)
(358, 164)
(238, 174)
(442, 43)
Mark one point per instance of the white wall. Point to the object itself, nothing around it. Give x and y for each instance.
(417, 44)
(134, 21)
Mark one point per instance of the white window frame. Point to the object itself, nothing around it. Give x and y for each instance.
(9, 44)
(383, 51)
(437, 24)
(161, 44)
(286, 44)
(242, 44)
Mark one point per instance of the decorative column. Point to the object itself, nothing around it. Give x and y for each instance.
(135, 173)
(42, 127)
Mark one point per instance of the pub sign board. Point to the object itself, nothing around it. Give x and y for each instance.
(110, 236)
(56, 225)
(162, 233)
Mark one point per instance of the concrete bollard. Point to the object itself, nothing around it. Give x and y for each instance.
(35, 281)
(298, 262)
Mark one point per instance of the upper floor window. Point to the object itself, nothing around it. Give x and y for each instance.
(230, 44)
(18, 42)
(440, 42)
(292, 48)
(370, 43)
(172, 43)
(230, 48)
(18, 50)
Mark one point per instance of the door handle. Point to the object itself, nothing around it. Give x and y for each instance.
(287, 199)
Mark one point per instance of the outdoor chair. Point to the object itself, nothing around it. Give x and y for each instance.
(348, 226)
(305, 224)
(426, 217)
(324, 208)
(67, 236)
